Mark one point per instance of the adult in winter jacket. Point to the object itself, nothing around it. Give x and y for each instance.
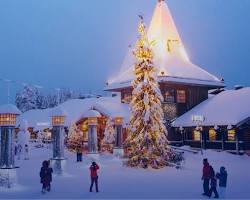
(205, 176)
(222, 176)
(26, 152)
(94, 177)
(78, 154)
(213, 184)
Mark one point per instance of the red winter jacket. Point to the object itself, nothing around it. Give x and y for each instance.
(206, 171)
(93, 171)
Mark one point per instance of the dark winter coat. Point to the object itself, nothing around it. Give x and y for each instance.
(222, 176)
(44, 175)
(206, 171)
(213, 182)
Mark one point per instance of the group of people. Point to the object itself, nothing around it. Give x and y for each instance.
(208, 176)
(210, 180)
(46, 176)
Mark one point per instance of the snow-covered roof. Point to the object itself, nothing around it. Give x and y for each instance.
(58, 111)
(75, 109)
(229, 107)
(170, 57)
(9, 108)
(91, 113)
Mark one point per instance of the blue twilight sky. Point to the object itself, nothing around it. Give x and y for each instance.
(79, 44)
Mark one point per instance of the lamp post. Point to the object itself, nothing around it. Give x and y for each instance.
(118, 149)
(217, 129)
(8, 114)
(182, 134)
(92, 116)
(58, 133)
(92, 135)
(230, 127)
(198, 119)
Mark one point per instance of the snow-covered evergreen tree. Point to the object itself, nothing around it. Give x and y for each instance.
(147, 144)
(75, 138)
(26, 99)
(109, 133)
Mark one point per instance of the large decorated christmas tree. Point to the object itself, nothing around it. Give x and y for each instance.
(147, 144)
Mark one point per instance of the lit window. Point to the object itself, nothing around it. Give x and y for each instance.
(127, 98)
(212, 134)
(196, 135)
(231, 135)
(169, 96)
(181, 96)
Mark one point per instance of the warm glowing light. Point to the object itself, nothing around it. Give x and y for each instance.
(7, 119)
(92, 120)
(118, 121)
(58, 120)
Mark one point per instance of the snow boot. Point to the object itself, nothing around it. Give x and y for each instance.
(43, 191)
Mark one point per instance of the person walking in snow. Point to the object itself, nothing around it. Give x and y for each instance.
(222, 176)
(94, 177)
(26, 152)
(78, 154)
(45, 176)
(19, 151)
(213, 184)
(205, 176)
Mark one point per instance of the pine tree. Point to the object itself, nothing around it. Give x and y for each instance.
(26, 99)
(147, 144)
(75, 138)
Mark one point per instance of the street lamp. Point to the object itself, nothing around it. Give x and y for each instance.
(58, 133)
(198, 120)
(8, 114)
(182, 134)
(118, 149)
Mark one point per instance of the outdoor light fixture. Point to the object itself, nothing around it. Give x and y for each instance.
(118, 121)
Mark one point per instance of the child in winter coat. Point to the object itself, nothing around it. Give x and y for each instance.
(46, 176)
(222, 176)
(213, 184)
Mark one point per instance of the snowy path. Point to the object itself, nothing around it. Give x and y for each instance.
(117, 181)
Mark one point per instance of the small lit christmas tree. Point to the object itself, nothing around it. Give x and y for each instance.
(109, 136)
(109, 133)
(75, 138)
(147, 144)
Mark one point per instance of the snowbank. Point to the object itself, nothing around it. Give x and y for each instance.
(117, 181)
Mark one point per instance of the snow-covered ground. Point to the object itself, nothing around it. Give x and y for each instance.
(118, 181)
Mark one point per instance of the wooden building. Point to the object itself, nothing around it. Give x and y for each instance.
(225, 124)
(182, 83)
